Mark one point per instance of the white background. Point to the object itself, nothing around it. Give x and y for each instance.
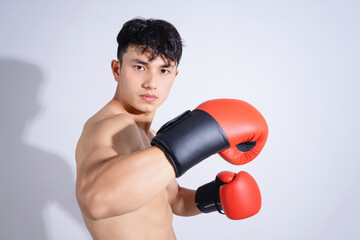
(297, 62)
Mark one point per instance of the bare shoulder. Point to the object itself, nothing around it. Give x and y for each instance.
(106, 137)
(104, 131)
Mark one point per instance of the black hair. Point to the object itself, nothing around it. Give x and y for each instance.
(159, 36)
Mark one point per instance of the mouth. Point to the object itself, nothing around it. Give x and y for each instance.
(149, 97)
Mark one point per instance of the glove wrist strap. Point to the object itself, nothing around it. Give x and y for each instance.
(190, 138)
(207, 197)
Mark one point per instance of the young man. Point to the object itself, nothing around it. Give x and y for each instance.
(126, 188)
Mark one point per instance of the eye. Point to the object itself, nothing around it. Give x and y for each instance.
(164, 71)
(138, 67)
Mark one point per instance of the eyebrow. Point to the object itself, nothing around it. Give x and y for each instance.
(140, 61)
(146, 63)
(168, 65)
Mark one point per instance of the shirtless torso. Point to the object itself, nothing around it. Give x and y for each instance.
(152, 220)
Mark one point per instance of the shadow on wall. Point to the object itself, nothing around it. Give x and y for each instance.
(29, 178)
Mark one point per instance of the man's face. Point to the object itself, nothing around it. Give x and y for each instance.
(144, 85)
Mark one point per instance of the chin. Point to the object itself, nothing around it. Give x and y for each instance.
(145, 108)
(150, 109)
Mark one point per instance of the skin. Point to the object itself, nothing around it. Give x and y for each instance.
(126, 189)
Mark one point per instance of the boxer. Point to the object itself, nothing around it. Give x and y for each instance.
(126, 183)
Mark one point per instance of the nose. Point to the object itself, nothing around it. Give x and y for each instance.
(150, 81)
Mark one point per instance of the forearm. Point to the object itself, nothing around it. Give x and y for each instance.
(124, 184)
(184, 204)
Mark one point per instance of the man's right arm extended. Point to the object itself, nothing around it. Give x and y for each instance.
(113, 172)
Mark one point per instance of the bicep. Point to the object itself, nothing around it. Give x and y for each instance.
(180, 199)
(183, 203)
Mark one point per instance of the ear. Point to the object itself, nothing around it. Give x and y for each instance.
(115, 67)
(176, 73)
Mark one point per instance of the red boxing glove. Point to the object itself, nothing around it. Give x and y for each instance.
(238, 195)
(230, 127)
(243, 125)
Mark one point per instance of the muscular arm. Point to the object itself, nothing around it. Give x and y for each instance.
(114, 169)
(182, 200)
